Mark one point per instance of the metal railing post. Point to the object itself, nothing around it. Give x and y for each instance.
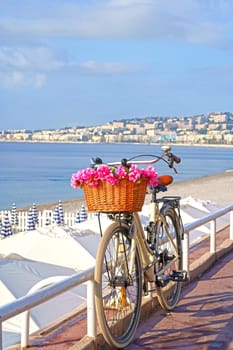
(185, 244)
(91, 314)
(25, 329)
(213, 236)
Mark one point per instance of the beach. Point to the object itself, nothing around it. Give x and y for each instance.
(215, 188)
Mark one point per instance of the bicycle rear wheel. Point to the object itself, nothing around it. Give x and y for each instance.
(169, 263)
(118, 276)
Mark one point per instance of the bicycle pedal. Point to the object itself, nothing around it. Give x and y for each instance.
(176, 276)
(163, 279)
(179, 276)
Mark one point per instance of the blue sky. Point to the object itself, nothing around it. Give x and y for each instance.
(82, 62)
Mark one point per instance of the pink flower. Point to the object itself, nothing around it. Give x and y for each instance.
(103, 171)
(92, 176)
(122, 172)
(151, 174)
(134, 173)
(84, 176)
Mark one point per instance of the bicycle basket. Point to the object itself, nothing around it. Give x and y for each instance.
(126, 196)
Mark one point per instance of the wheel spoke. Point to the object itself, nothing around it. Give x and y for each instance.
(119, 289)
(169, 256)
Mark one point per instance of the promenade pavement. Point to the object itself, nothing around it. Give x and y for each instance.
(203, 319)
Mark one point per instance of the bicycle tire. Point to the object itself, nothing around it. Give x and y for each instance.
(170, 258)
(118, 294)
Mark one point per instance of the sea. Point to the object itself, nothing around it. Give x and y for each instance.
(40, 172)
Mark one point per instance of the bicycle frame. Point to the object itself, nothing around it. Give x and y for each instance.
(146, 254)
(138, 240)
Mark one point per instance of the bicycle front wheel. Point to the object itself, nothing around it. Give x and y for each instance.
(169, 259)
(118, 276)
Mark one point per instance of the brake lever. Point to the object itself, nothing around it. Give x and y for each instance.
(171, 165)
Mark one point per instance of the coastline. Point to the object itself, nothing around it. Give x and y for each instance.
(188, 144)
(216, 188)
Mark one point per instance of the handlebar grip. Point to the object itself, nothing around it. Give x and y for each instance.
(176, 159)
(96, 161)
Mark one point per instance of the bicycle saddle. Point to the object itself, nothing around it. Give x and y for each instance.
(165, 180)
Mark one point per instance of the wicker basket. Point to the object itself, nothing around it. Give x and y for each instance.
(126, 196)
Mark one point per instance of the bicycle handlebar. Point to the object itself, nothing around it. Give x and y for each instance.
(166, 156)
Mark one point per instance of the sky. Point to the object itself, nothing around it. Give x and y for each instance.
(69, 63)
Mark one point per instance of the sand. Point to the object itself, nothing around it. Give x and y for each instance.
(215, 188)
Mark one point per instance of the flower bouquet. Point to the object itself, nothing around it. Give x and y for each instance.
(114, 189)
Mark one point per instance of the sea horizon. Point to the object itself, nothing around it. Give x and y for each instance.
(189, 144)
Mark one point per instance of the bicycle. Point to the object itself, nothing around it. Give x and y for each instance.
(130, 263)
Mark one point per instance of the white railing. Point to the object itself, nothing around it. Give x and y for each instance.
(207, 219)
(25, 303)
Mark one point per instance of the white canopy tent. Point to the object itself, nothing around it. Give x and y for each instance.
(29, 257)
(18, 276)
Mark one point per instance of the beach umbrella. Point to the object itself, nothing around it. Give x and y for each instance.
(83, 213)
(61, 212)
(3, 229)
(77, 218)
(6, 229)
(14, 215)
(35, 214)
(30, 221)
(56, 216)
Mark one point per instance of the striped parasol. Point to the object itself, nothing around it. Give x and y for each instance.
(35, 214)
(56, 216)
(83, 213)
(61, 212)
(6, 229)
(30, 221)
(14, 215)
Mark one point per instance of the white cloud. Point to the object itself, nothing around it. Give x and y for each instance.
(183, 20)
(28, 58)
(33, 65)
(34, 28)
(20, 66)
(18, 79)
(12, 79)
